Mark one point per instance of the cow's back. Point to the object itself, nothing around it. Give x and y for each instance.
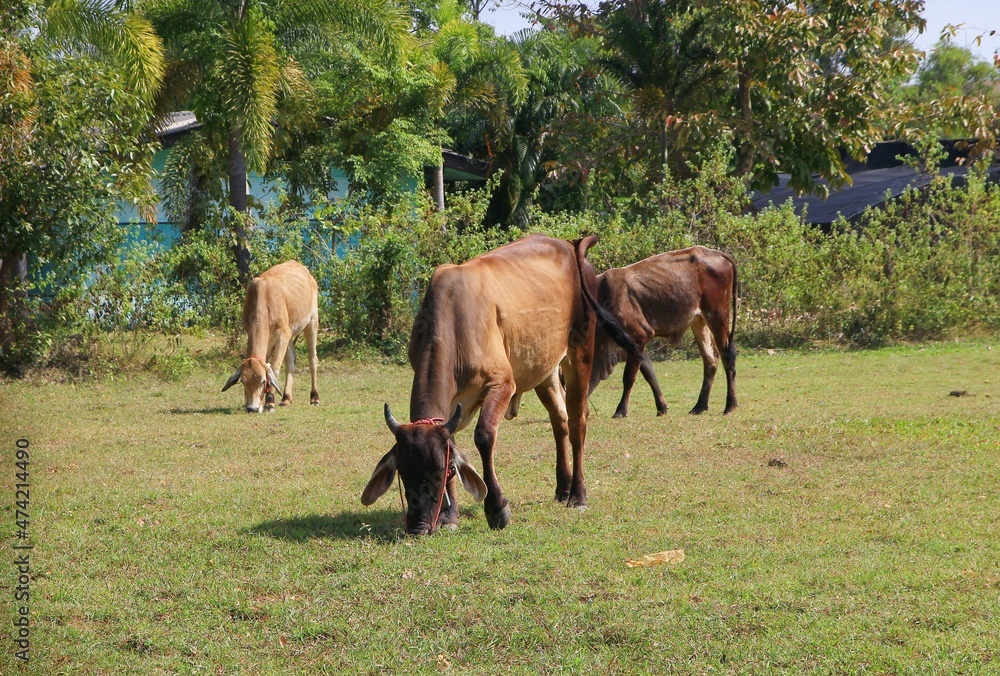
(670, 288)
(518, 303)
(283, 295)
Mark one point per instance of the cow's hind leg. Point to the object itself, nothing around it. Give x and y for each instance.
(577, 374)
(703, 336)
(550, 393)
(495, 506)
(312, 334)
(649, 373)
(286, 397)
(727, 350)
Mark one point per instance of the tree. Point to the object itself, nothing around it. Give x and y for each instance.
(806, 81)
(478, 81)
(564, 91)
(955, 95)
(78, 81)
(794, 82)
(662, 50)
(229, 62)
(950, 70)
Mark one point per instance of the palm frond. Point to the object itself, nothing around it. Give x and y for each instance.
(381, 24)
(248, 77)
(126, 37)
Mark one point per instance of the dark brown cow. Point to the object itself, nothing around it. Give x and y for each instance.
(500, 323)
(663, 296)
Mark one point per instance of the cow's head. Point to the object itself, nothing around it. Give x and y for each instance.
(257, 378)
(419, 457)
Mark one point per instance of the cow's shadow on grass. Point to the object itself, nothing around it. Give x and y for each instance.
(386, 525)
(215, 410)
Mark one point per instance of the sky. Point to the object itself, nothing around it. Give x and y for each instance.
(978, 17)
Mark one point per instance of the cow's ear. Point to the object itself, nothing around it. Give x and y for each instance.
(272, 380)
(385, 472)
(470, 479)
(233, 379)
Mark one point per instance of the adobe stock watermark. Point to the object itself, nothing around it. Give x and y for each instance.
(22, 552)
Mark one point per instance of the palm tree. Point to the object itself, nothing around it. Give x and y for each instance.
(229, 62)
(661, 50)
(479, 79)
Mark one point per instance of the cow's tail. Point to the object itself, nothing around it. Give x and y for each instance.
(605, 319)
(736, 294)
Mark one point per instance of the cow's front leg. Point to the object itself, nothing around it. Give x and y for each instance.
(628, 381)
(649, 373)
(550, 393)
(495, 506)
(275, 357)
(286, 397)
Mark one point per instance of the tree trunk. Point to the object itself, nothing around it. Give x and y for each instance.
(745, 161)
(238, 201)
(664, 145)
(439, 185)
(13, 279)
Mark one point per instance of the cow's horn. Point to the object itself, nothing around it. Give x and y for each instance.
(390, 421)
(452, 424)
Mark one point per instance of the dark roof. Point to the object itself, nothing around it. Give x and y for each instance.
(175, 125)
(882, 177)
(461, 168)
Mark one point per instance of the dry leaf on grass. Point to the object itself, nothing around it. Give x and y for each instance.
(671, 556)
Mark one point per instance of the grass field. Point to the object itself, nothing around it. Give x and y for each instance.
(175, 534)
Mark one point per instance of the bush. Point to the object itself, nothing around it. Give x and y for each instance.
(921, 267)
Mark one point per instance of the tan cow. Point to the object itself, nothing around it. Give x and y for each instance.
(499, 324)
(664, 296)
(280, 306)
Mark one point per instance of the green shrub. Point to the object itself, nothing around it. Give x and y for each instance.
(920, 267)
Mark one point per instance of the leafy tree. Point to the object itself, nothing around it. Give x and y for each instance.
(479, 81)
(373, 121)
(229, 61)
(78, 80)
(663, 51)
(812, 80)
(795, 82)
(954, 95)
(564, 94)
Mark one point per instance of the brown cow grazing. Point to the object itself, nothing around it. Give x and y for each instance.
(663, 296)
(280, 306)
(498, 324)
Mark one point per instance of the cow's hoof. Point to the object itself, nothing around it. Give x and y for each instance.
(314, 402)
(619, 415)
(562, 495)
(285, 402)
(268, 408)
(729, 409)
(577, 501)
(661, 411)
(449, 526)
(498, 520)
(698, 410)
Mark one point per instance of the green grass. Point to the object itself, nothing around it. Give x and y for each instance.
(176, 534)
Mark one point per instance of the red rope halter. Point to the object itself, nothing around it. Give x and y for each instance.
(267, 381)
(448, 474)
